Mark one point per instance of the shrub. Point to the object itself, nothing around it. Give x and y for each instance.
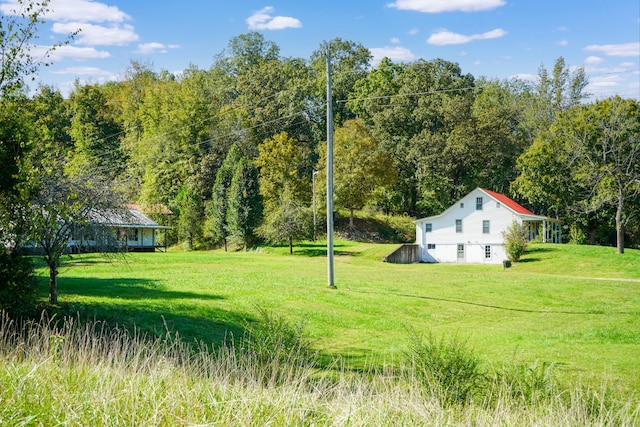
(17, 285)
(447, 367)
(576, 235)
(528, 384)
(277, 347)
(515, 241)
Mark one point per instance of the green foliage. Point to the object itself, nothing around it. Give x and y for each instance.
(528, 384)
(446, 367)
(278, 346)
(285, 191)
(281, 165)
(216, 209)
(190, 216)
(360, 166)
(17, 285)
(94, 133)
(18, 33)
(516, 240)
(576, 235)
(286, 220)
(245, 208)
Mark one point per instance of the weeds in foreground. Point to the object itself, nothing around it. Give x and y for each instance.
(61, 372)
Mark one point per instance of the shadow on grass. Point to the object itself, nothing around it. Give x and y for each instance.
(131, 304)
(125, 288)
(314, 250)
(530, 254)
(318, 252)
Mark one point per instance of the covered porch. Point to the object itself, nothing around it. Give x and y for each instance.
(547, 230)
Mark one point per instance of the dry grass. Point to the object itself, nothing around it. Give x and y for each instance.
(64, 373)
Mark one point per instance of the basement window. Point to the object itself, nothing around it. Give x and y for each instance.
(431, 245)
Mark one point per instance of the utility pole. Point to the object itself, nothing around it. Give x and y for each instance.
(329, 174)
(313, 184)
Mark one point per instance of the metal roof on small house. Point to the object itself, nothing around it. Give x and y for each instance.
(123, 218)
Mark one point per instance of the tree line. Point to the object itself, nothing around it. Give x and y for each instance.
(233, 150)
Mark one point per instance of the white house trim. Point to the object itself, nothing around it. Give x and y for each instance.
(470, 230)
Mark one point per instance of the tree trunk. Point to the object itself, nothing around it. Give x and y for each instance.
(53, 284)
(351, 219)
(620, 226)
(225, 244)
(290, 245)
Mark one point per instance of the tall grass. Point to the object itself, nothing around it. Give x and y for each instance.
(61, 372)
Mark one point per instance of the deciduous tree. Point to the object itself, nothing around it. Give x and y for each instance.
(360, 166)
(60, 206)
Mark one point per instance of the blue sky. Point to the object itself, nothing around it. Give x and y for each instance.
(491, 38)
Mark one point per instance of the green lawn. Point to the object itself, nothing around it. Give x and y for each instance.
(578, 306)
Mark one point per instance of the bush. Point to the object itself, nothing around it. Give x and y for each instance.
(576, 235)
(447, 367)
(515, 241)
(277, 347)
(528, 384)
(17, 285)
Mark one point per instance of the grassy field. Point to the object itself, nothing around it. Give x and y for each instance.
(576, 306)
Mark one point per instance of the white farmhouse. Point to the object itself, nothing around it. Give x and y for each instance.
(470, 231)
(131, 231)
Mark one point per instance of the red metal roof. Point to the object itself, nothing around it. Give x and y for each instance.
(508, 202)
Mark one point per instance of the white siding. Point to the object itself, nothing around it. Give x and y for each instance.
(446, 240)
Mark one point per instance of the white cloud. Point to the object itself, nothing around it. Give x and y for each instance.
(437, 6)
(73, 10)
(150, 48)
(593, 60)
(263, 20)
(395, 53)
(84, 71)
(624, 49)
(395, 40)
(563, 43)
(72, 52)
(445, 37)
(98, 35)
(413, 31)
(526, 77)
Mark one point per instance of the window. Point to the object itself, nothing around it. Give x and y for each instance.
(497, 204)
(461, 205)
(458, 226)
(478, 203)
(132, 234)
(428, 227)
(487, 252)
(485, 226)
(431, 245)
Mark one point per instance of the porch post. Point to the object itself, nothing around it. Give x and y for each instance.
(544, 231)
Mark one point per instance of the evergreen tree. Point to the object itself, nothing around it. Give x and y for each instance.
(217, 207)
(245, 204)
(191, 215)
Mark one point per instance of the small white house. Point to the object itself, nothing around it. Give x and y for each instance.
(131, 230)
(470, 231)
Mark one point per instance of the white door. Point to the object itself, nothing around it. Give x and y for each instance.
(460, 252)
